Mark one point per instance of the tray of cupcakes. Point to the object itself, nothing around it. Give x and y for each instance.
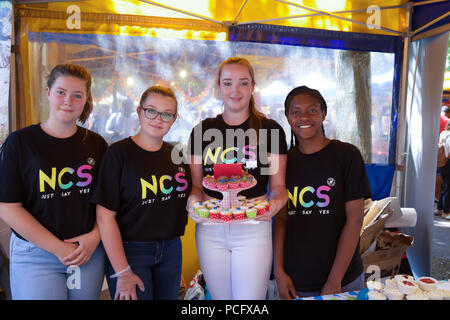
(245, 211)
(229, 180)
(406, 287)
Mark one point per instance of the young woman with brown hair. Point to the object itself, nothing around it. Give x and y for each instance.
(48, 172)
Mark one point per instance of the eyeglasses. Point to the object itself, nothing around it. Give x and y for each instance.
(152, 114)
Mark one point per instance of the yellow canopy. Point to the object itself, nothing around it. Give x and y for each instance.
(125, 16)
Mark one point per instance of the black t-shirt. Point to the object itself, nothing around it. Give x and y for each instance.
(319, 184)
(147, 190)
(53, 178)
(219, 142)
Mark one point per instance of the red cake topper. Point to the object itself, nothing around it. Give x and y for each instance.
(227, 169)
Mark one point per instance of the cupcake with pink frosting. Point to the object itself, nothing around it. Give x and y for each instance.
(238, 214)
(214, 213)
(222, 185)
(226, 215)
(233, 184)
(260, 209)
(244, 182)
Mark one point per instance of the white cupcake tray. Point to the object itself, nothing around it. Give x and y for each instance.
(230, 199)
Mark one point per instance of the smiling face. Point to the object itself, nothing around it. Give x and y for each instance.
(163, 105)
(236, 87)
(67, 98)
(305, 117)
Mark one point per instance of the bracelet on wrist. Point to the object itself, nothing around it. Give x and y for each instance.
(115, 275)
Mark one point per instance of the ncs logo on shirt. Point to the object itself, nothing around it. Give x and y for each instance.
(65, 178)
(309, 196)
(165, 184)
(213, 157)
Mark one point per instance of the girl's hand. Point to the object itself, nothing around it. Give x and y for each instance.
(331, 288)
(87, 243)
(126, 286)
(190, 203)
(190, 209)
(274, 207)
(65, 249)
(285, 286)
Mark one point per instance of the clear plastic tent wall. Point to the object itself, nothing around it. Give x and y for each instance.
(189, 67)
(5, 53)
(126, 55)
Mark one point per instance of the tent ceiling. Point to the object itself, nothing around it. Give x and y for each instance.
(341, 15)
(366, 16)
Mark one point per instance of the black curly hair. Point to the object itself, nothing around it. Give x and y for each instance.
(296, 92)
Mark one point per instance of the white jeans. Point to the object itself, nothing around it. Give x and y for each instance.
(236, 259)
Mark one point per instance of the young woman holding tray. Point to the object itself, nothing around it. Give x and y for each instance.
(236, 259)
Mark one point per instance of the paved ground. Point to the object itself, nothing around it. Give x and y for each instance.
(440, 268)
(440, 248)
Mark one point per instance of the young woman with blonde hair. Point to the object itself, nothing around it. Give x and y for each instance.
(236, 259)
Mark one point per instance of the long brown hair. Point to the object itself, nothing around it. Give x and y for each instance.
(255, 115)
(79, 72)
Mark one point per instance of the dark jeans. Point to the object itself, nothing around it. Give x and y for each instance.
(444, 198)
(157, 263)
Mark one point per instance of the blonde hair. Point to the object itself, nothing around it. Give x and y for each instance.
(255, 116)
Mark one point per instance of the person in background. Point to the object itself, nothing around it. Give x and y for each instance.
(98, 119)
(236, 259)
(443, 205)
(444, 117)
(48, 171)
(124, 123)
(316, 237)
(141, 205)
